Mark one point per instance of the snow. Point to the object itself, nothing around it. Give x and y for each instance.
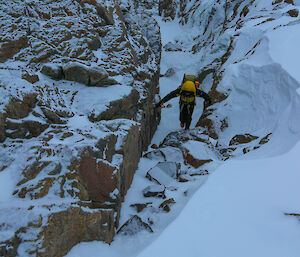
(6, 186)
(239, 211)
(284, 48)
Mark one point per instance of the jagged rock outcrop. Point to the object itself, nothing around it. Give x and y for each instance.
(76, 114)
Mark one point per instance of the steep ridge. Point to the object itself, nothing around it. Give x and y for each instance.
(231, 46)
(77, 84)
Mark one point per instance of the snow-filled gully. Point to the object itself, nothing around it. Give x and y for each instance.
(171, 194)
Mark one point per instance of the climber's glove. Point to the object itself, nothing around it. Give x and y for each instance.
(160, 104)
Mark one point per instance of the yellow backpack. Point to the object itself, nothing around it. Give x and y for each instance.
(187, 92)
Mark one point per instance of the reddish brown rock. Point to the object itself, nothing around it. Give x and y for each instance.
(140, 206)
(165, 205)
(191, 160)
(10, 48)
(289, 2)
(2, 128)
(293, 13)
(30, 78)
(208, 124)
(17, 109)
(67, 228)
(99, 178)
(242, 139)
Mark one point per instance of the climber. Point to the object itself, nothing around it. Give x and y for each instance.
(187, 91)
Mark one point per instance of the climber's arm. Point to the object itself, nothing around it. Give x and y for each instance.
(169, 96)
(202, 94)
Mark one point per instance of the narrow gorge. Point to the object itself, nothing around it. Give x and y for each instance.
(85, 155)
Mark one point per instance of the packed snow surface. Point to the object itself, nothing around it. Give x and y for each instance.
(239, 211)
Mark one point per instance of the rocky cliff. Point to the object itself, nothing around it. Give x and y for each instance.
(77, 81)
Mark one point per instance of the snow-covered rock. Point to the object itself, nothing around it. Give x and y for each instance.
(77, 82)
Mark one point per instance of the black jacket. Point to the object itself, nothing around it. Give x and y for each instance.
(176, 93)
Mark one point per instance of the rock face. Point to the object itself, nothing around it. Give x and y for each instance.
(2, 128)
(99, 178)
(67, 228)
(76, 144)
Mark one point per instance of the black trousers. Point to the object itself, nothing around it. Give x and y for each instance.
(186, 112)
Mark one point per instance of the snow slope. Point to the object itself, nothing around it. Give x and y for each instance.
(239, 211)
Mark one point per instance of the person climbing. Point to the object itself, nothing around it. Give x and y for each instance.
(188, 90)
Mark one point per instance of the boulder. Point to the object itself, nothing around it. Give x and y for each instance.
(105, 14)
(76, 72)
(30, 78)
(277, 2)
(184, 178)
(165, 205)
(67, 228)
(265, 139)
(164, 173)
(196, 163)
(140, 206)
(35, 128)
(293, 13)
(289, 2)
(53, 71)
(89, 76)
(242, 139)
(31, 171)
(98, 76)
(24, 130)
(154, 191)
(44, 55)
(156, 155)
(17, 109)
(133, 226)
(208, 125)
(52, 116)
(94, 43)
